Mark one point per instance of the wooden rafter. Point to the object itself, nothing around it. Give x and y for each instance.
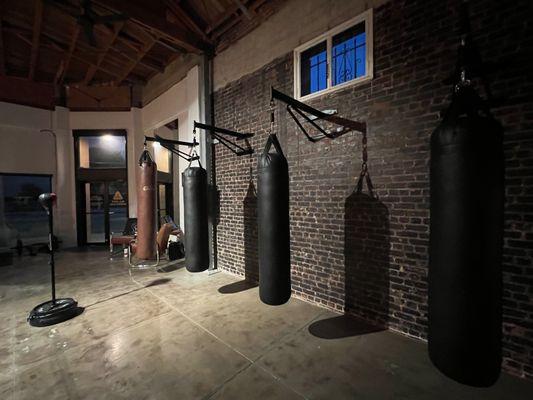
(93, 68)
(177, 9)
(65, 63)
(37, 22)
(232, 10)
(243, 8)
(151, 65)
(153, 19)
(131, 66)
(52, 44)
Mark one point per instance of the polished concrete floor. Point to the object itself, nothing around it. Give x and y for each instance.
(175, 335)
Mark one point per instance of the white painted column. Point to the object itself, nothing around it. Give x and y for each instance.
(63, 183)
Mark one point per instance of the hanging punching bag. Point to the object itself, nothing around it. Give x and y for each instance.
(466, 228)
(273, 221)
(194, 182)
(146, 207)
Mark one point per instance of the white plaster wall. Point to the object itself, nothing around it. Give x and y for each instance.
(24, 149)
(297, 22)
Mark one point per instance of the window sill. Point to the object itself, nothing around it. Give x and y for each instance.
(335, 88)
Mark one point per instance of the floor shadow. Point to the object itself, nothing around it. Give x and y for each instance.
(251, 260)
(157, 282)
(214, 218)
(237, 287)
(341, 327)
(171, 267)
(366, 258)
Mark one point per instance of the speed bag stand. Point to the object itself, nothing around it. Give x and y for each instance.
(273, 221)
(53, 311)
(194, 182)
(466, 229)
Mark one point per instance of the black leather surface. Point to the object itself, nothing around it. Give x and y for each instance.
(466, 228)
(194, 181)
(273, 229)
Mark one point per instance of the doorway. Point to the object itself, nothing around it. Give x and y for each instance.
(101, 184)
(104, 210)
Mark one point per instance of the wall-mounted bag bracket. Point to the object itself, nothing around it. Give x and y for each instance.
(173, 146)
(294, 106)
(220, 133)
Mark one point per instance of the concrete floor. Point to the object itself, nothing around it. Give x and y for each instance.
(176, 335)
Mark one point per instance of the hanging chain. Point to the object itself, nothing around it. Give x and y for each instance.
(193, 149)
(272, 109)
(365, 175)
(364, 165)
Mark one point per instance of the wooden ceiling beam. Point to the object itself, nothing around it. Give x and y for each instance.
(152, 17)
(227, 14)
(37, 23)
(52, 44)
(124, 74)
(65, 63)
(156, 67)
(177, 9)
(91, 71)
(243, 8)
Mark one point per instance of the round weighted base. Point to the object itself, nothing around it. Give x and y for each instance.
(53, 312)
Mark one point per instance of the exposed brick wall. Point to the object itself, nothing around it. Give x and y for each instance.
(381, 275)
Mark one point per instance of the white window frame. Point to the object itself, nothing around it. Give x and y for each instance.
(365, 17)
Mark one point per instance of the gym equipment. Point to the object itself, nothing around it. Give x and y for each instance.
(466, 234)
(146, 248)
(295, 106)
(173, 146)
(273, 221)
(194, 182)
(175, 251)
(56, 310)
(219, 133)
(273, 197)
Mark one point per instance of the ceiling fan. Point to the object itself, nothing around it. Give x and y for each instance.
(86, 17)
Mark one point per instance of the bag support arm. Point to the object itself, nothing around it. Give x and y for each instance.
(219, 134)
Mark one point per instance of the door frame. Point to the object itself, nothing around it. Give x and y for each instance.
(93, 175)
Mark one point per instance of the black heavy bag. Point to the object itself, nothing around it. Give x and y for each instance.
(273, 221)
(194, 181)
(466, 230)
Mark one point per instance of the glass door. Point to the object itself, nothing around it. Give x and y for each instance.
(118, 206)
(105, 209)
(164, 201)
(95, 212)
(101, 189)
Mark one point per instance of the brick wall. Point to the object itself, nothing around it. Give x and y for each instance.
(381, 274)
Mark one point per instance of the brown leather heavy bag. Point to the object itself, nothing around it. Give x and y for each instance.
(146, 207)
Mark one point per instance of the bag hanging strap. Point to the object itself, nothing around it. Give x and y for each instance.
(193, 155)
(145, 157)
(365, 175)
(273, 140)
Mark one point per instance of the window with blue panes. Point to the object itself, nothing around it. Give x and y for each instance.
(337, 57)
(314, 69)
(348, 55)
